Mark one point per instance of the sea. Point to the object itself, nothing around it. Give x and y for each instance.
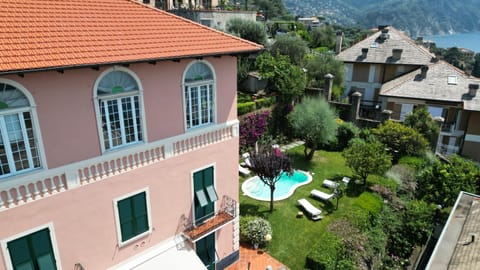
(463, 40)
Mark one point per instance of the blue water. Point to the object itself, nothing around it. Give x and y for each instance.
(284, 188)
(465, 40)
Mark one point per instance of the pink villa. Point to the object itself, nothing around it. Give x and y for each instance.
(122, 138)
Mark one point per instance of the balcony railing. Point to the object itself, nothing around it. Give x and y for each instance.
(38, 184)
(225, 215)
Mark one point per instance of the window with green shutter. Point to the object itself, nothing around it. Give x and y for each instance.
(133, 216)
(32, 252)
(205, 194)
(205, 249)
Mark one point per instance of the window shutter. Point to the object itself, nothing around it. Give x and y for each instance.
(20, 254)
(140, 212)
(126, 219)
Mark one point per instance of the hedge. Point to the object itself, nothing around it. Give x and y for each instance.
(243, 108)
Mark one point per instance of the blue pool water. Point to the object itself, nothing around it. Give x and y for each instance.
(284, 188)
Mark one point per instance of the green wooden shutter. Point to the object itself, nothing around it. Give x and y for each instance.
(197, 186)
(33, 252)
(42, 247)
(140, 213)
(126, 219)
(205, 249)
(20, 254)
(208, 181)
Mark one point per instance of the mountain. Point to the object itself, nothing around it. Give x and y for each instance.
(416, 17)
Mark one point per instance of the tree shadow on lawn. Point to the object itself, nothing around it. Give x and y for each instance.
(247, 209)
(298, 159)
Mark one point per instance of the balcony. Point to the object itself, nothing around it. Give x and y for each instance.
(225, 215)
(451, 129)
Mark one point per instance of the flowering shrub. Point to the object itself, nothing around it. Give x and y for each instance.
(259, 231)
(252, 128)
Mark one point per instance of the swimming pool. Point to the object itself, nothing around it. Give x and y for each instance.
(284, 188)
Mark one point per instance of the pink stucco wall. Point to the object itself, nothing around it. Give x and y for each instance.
(84, 219)
(66, 111)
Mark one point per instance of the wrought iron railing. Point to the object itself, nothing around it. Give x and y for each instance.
(195, 230)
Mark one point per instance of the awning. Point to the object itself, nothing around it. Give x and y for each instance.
(173, 258)
(173, 255)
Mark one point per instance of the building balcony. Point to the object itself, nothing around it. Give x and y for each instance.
(225, 215)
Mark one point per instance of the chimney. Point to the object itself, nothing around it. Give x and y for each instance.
(419, 41)
(424, 70)
(397, 53)
(338, 44)
(364, 52)
(472, 89)
(384, 35)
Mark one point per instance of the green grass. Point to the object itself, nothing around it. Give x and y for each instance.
(293, 238)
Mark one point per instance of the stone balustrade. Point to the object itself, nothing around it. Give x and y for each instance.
(37, 184)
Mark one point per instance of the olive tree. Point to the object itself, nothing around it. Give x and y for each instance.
(314, 122)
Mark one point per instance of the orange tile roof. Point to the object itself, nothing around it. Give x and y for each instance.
(46, 34)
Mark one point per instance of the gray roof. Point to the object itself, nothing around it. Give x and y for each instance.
(435, 86)
(380, 51)
(456, 249)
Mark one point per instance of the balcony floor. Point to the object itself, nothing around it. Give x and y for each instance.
(208, 226)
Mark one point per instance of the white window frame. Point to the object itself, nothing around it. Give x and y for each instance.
(118, 97)
(6, 253)
(117, 217)
(192, 187)
(37, 135)
(198, 84)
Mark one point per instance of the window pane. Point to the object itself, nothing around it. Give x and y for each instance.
(116, 82)
(195, 105)
(11, 97)
(31, 140)
(198, 72)
(4, 168)
(114, 119)
(204, 104)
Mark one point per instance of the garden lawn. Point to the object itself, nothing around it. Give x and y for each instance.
(293, 238)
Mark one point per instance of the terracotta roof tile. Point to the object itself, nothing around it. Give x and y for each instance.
(39, 34)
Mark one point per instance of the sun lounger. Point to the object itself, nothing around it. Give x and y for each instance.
(312, 211)
(330, 183)
(346, 180)
(321, 195)
(243, 170)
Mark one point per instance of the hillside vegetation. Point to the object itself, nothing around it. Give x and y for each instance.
(416, 17)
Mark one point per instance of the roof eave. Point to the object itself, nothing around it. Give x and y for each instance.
(128, 62)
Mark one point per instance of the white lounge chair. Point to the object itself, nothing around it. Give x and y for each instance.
(313, 212)
(242, 170)
(330, 183)
(321, 195)
(346, 180)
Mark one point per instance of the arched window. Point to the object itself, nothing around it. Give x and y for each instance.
(199, 98)
(118, 95)
(18, 145)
